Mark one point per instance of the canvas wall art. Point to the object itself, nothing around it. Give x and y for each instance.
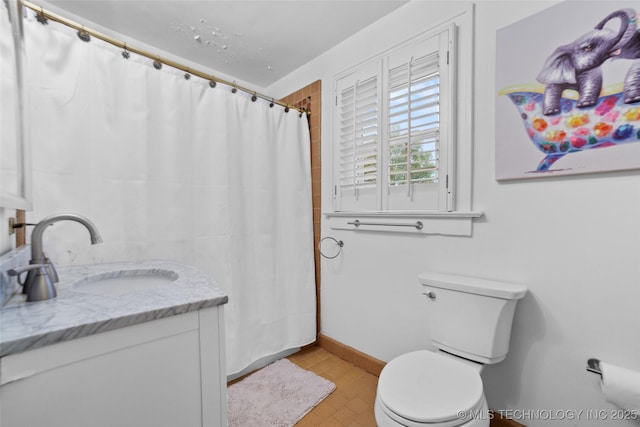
(568, 91)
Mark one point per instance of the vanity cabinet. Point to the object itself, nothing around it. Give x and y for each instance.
(166, 372)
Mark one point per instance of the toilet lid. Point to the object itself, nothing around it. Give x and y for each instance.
(427, 387)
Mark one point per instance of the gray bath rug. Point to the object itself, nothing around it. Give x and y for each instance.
(278, 395)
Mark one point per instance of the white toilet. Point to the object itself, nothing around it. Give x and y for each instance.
(471, 326)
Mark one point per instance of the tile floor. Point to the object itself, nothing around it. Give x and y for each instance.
(351, 403)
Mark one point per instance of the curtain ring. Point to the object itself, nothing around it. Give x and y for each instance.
(41, 18)
(271, 103)
(254, 97)
(340, 244)
(83, 35)
(286, 109)
(125, 52)
(234, 89)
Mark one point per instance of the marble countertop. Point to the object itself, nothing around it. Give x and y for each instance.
(77, 313)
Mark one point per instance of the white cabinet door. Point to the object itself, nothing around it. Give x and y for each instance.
(150, 374)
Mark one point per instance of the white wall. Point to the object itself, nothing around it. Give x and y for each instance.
(7, 242)
(574, 241)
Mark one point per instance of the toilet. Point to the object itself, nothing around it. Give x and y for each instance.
(470, 324)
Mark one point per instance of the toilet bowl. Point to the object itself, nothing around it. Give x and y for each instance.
(425, 388)
(470, 325)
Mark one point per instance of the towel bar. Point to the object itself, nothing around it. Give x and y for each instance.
(357, 223)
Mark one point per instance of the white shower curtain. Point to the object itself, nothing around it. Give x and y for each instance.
(170, 168)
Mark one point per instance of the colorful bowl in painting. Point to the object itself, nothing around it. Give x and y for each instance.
(608, 123)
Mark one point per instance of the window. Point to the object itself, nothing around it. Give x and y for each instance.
(394, 129)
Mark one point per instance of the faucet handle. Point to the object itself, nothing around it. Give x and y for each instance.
(41, 287)
(29, 279)
(19, 270)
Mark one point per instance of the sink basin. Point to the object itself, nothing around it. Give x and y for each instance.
(126, 281)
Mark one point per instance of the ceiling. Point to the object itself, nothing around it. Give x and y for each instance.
(255, 41)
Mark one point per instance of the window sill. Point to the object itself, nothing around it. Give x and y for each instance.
(459, 223)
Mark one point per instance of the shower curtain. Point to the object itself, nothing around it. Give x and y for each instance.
(169, 168)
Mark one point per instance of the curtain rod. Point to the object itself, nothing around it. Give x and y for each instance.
(42, 13)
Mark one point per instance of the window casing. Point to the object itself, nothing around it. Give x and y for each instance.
(395, 129)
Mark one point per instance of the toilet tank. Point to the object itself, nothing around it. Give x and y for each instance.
(471, 317)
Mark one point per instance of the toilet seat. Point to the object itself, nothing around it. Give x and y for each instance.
(425, 388)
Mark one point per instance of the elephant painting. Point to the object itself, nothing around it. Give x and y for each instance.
(577, 65)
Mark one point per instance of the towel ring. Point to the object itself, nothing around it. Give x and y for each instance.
(340, 244)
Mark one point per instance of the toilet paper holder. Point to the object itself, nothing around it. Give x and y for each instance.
(593, 365)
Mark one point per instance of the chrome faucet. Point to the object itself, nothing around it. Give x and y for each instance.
(41, 272)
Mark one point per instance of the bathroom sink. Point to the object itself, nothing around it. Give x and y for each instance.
(126, 281)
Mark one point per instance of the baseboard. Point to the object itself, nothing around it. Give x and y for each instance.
(350, 354)
(498, 420)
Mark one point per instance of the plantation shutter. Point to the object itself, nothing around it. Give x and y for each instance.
(417, 125)
(414, 118)
(394, 130)
(358, 135)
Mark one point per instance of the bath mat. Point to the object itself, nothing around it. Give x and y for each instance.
(278, 395)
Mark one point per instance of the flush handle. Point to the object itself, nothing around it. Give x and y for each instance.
(430, 294)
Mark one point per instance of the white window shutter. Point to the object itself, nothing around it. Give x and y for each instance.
(394, 129)
(416, 146)
(357, 127)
